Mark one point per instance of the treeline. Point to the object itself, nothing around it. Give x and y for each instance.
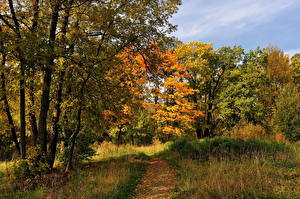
(77, 72)
(56, 60)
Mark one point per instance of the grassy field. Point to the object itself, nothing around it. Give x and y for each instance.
(219, 168)
(258, 173)
(112, 173)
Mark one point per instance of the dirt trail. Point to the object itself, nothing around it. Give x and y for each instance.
(158, 182)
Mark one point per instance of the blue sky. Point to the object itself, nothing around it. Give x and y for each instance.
(249, 23)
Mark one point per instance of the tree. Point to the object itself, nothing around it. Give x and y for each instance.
(296, 68)
(287, 114)
(278, 67)
(209, 70)
(242, 99)
(73, 43)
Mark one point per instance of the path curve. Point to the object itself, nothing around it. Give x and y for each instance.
(158, 182)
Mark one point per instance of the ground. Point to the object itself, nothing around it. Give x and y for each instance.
(159, 181)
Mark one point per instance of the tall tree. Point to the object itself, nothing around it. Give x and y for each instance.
(209, 69)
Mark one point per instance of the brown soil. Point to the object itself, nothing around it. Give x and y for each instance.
(159, 181)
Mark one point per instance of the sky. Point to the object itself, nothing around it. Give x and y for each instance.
(249, 23)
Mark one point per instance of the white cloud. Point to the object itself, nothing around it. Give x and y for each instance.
(200, 18)
(292, 52)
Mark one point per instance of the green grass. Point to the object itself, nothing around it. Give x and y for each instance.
(115, 178)
(230, 148)
(109, 150)
(112, 173)
(225, 168)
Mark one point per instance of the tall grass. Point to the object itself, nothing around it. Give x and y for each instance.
(112, 173)
(225, 168)
(111, 179)
(231, 148)
(107, 150)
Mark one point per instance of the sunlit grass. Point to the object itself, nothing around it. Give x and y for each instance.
(238, 179)
(109, 179)
(256, 176)
(109, 150)
(112, 173)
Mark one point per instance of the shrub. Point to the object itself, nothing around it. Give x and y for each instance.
(287, 114)
(83, 149)
(229, 148)
(30, 167)
(248, 130)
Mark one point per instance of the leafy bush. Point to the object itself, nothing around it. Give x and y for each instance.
(248, 130)
(287, 114)
(82, 151)
(30, 167)
(230, 148)
(7, 147)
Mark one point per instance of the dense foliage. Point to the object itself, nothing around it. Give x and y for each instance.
(75, 72)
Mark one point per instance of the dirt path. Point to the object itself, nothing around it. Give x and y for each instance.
(158, 182)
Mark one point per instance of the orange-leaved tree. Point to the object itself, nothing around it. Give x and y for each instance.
(157, 82)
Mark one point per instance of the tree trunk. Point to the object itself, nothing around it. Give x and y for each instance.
(55, 127)
(42, 128)
(21, 82)
(199, 131)
(208, 129)
(23, 111)
(7, 109)
(73, 140)
(74, 136)
(32, 117)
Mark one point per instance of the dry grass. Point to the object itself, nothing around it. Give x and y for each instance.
(257, 177)
(233, 179)
(107, 150)
(112, 173)
(111, 179)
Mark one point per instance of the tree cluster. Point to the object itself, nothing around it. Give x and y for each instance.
(74, 72)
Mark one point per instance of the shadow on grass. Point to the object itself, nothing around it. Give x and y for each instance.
(113, 178)
(233, 168)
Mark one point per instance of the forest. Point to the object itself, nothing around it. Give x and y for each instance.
(92, 87)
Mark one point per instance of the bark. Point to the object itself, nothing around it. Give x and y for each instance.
(199, 132)
(23, 112)
(73, 140)
(55, 127)
(32, 117)
(7, 109)
(35, 14)
(65, 130)
(78, 127)
(119, 136)
(208, 129)
(21, 82)
(42, 128)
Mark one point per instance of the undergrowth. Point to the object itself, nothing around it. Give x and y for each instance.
(230, 148)
(230, 168)
(112, 174)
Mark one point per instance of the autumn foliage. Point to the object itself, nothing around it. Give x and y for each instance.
(157, 82)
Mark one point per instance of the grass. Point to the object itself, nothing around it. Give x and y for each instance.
(115, 178)
(232, 168)
(109, 150)
(219, 168)
(111, 174)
